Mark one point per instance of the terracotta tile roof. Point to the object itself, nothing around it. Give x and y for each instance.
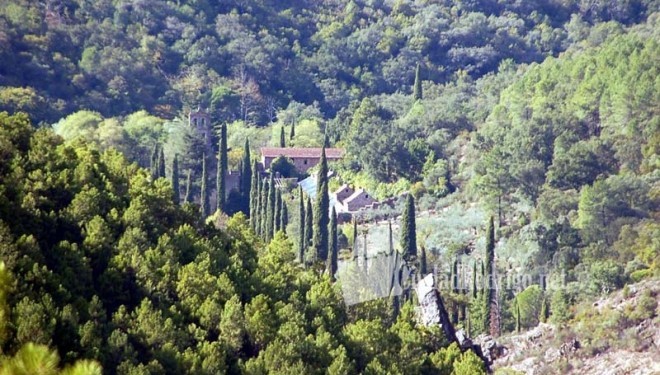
(294, 152)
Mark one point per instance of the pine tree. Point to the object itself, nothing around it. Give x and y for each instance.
(543, 315)
(188, 197)
(153, 167)
(417, 93)
(422, 261)
(408, 231)
(284, 217)
(309, 223)
(246, 178)
(175, 180)
(221, 182)
(270, 211)
(331, 265)
(282, 138)
(277, 213)
(322, 208)
(301, 226)
(161, 164)
(204, 194)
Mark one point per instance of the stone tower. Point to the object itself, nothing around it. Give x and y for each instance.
(200, 120)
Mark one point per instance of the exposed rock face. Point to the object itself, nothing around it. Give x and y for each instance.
(490, 349)
(432, 308)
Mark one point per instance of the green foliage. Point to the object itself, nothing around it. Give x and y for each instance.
(321, 211)
(333, 246)
(284, 167)
(221, 170)
(205, 206)
(417, 90)
(408, 238)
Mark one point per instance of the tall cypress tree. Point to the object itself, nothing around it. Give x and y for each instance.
(390, 238)
(331, 265)
(246, 178)
(518, 327)
(254, 197)
(284, 217)
(543, 315)
(322, 208)
(270, 212)
(293, 130)
(204, 194)
(408, 230)
(454, 289)
(263, 220)
(491, 318)
(417, 91)
(221, 182)
(309, 220)
(277, 213)
(355, 237)
(301, 226)
(422, 261)
(188, 197)
(474, 280)
(161, 164)
(153, 167)
(282, 138)
(175, 180)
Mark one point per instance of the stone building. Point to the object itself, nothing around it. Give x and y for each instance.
(200, 120)
(349, 200)
(303, 158)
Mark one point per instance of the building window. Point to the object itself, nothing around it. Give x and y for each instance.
(305, 162)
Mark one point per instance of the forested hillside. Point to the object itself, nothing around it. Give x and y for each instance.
(524, 134)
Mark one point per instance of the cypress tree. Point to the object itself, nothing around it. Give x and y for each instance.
(309, 220)
(246, 178)
(454, 289)
(355, 236)
(254, 195)
(417, 91)
(408, 230)
(474, 280)
(322, 208)
(543, 315)
(390, 238)
(517, 316)
(188, 197)
(204, 195)
(263, 220)
(331, 265)
(161, 164)
(270, 210)
(282, 138)
(277, 213)
(221, 182)
(153, 167)
(175, 180)
(301, 226)
(284, 217)
(422, 261)
(293, 130)
(491, 318)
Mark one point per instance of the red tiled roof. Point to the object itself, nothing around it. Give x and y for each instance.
(294, 152)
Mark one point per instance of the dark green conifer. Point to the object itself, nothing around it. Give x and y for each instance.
(491, 318)
(188, 197)
(408, 230)
(254, 196)
(175, 180)
(293, 130)
(417, 91)
(246, 178)
(161, 164)
(321, 210)
(204, 193)
(277, 213)
(221, 182)
(270, 213)
(331, 265)
(153, 167)
(543, 315)
(301, 226)
(422, 261)
(518, 327)
(284, 217)
(309, 220)
(264, 209)
(474, 280)
(282, 138)
(355, 237)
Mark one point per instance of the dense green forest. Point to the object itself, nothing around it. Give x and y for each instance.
(540, 119)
